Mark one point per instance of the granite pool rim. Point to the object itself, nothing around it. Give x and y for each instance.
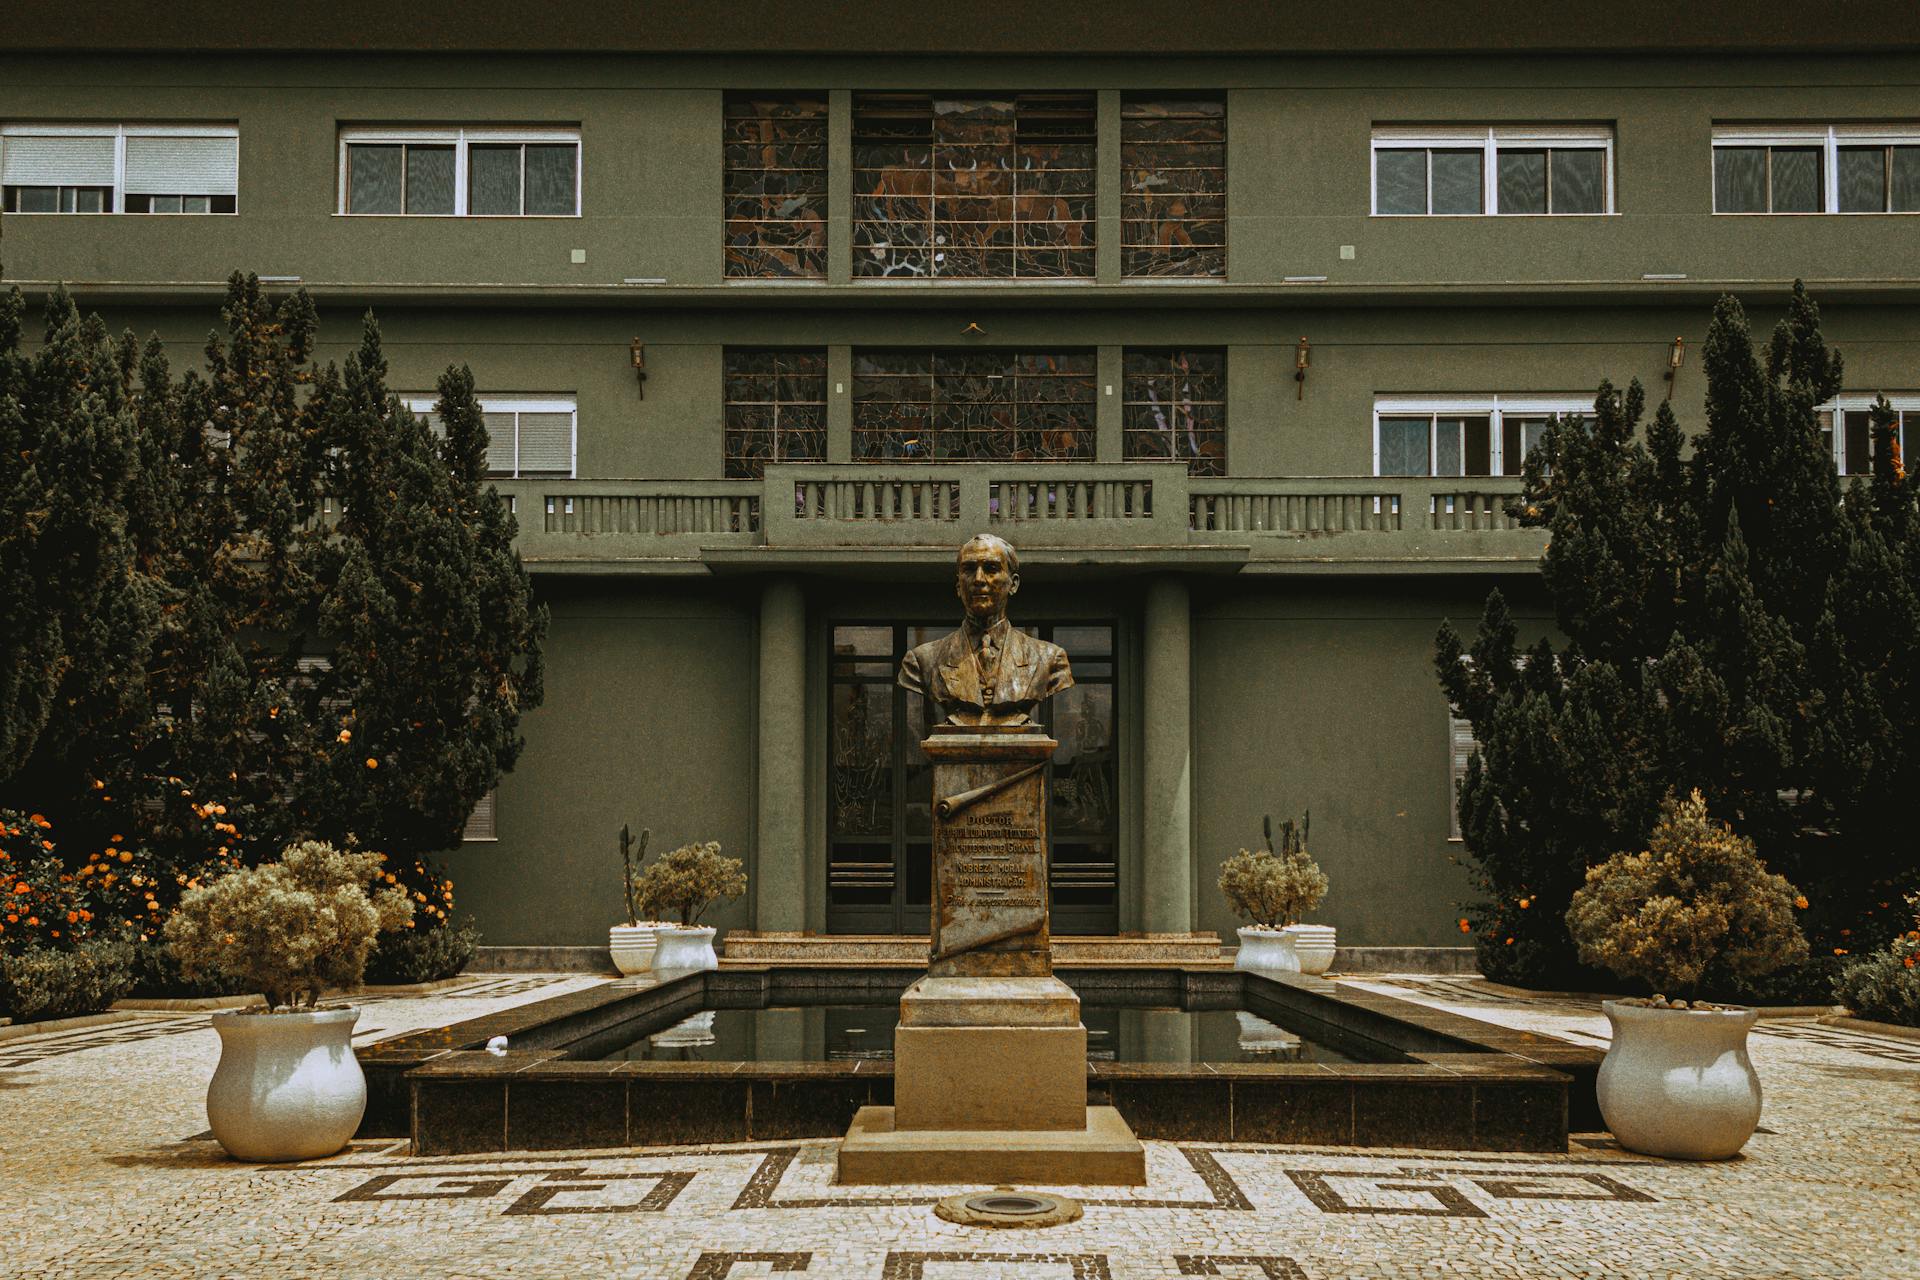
(1468, 1085)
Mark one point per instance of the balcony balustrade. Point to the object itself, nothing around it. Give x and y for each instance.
(1286, 524)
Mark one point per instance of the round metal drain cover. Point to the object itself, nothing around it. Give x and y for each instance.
(1006, 1207)
(1009, 1202)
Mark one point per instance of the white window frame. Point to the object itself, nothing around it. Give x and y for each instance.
(460, 138)
(1490, 140)
(1829, 138)
(1906, 404)
(120, 133)
(1493, 407)
(423, 403)
(483, 824)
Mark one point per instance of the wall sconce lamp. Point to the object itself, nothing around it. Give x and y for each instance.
(1301, 358)
(639, 350)
(973, 331)
(1676, 356)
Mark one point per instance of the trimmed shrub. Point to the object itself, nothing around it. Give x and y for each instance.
(1273, 889)
(42, 982)
(687, 881)
(407, 956)
(1698, 896)
(287, 929)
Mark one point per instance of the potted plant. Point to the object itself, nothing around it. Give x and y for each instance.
(288, 1086)
(632, 944)
(682, 885)
(1273, 889)
(1677, 1080)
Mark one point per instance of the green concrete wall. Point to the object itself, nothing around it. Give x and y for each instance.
(647, 721)
(1323, 697)
(1298, 161)
(674, 430)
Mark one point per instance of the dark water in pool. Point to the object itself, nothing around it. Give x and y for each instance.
(1115, 1033)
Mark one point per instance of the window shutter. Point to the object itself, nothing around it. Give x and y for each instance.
(499, 442)
(67, 161)
(1461, 746)
(182, 166)
(546, 444)
(480, 821)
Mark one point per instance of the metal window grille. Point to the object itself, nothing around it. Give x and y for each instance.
(1173, 195)
(775, 154)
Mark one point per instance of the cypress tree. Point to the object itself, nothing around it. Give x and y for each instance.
(77, 614)
(1732, 622)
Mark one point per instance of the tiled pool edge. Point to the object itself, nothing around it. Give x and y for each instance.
(1472, 1086)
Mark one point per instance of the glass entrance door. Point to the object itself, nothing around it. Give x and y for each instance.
(880, 787)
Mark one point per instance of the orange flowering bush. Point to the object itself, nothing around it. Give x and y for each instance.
(1886, 985)
(42, 902)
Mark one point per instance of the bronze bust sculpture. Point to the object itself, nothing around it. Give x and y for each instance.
(986, 673)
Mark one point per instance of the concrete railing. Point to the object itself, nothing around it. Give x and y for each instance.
(1352, 504)
(826, 504)
(613, 520)
(1315, 522)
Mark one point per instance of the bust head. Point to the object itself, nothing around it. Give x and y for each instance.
(985, 573)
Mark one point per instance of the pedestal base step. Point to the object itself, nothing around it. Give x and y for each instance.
(1104, 1154)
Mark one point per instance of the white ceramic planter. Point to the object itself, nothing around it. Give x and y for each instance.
(632, 947)
(1678, 1082)
(1313, 943)
(1266, 950)
(288, 1086)
(685, 948)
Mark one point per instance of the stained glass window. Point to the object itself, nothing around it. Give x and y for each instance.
(976, 187)
(1175, 408)
(973, 406)
(1173, 198)
(776, 406)
(776, 187)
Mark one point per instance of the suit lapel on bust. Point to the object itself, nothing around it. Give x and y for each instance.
(959, 677)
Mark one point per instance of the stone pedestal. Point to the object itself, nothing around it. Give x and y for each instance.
(990, 1059)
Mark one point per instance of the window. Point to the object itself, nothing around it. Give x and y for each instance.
(776, 409)
(1463, 435)
(480, 822)
(526, 438)
(973, 187)
(1500, 170)
(128, 168)
(1175, 408)
(973, 406)
(775, 150)
(1173, 193)
(1846, 429)
(1816, 169)
(458, 173)
(1460, 748)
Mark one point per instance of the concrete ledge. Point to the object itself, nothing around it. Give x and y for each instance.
(1852, 1023)
(21, 1030)
(189, 1004)
(1438, 960)
(541, 960)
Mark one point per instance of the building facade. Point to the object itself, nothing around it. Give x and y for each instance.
(1238, 331)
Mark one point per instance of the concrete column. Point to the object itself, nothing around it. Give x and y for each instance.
(1106, 200)
(1108, 415)
(839, 186)
(839, 404)
(780, 817)
(1166, 863)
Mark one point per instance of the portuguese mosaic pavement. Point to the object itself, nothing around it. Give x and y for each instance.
(108, 1172)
